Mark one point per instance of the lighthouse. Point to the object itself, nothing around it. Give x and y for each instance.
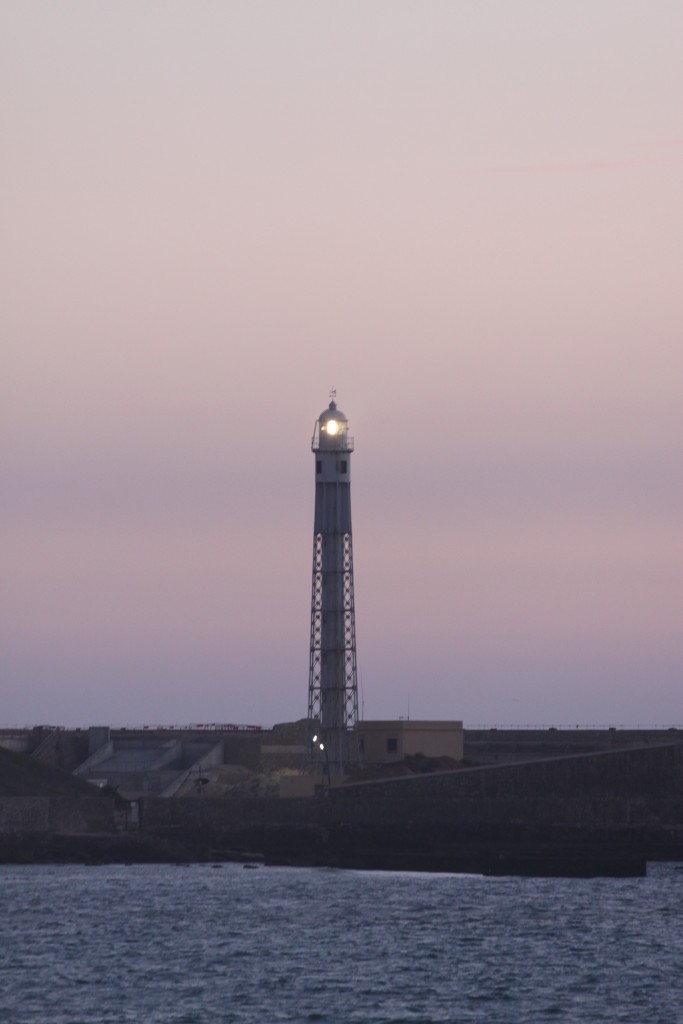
(333, 746)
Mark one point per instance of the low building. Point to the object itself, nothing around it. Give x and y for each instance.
(385, 741)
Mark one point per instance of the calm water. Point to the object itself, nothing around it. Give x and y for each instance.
(189, 945)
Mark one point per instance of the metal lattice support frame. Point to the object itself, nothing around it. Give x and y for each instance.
(333, 704)
(350, 671)
(315, 667)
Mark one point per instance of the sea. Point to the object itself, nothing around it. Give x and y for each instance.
(225, 944)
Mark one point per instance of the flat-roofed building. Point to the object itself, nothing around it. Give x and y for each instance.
(386, 741)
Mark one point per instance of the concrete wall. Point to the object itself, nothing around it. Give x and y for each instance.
(49, 814)
(24, 814)
(275, 757)
(102, 753)
(491, 746)
(626, 788)
(196, 758)
(98, 736)
(204, 755)
(239, 747)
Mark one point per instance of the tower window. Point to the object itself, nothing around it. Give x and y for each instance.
(342, 466)
(318, 466)
(392, 745)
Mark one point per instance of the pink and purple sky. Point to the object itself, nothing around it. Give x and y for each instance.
(465, 216)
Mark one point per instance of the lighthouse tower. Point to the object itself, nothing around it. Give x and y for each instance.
(332, 683)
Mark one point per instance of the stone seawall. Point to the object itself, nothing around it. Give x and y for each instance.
(640, 787)
(28, 814)
(56, 814)
(622, 787)
(587, 814)
(592, 814)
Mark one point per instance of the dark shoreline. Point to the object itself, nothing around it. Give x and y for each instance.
(576, 856)
(583, 815)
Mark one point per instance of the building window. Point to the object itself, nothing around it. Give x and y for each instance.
(342, 466)
(318, 466)
(392, 745)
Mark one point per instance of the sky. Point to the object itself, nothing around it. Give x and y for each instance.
(465, 216)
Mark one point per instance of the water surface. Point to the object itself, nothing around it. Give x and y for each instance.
(200, 944)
